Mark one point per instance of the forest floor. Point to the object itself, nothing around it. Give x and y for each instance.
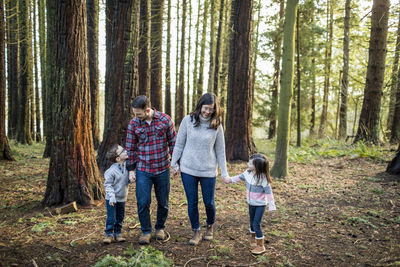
(338, 211)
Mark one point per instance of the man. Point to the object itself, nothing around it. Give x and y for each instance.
(149, 137)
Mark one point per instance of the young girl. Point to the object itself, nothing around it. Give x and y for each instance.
(258, 193)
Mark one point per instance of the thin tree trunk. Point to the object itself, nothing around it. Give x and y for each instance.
(218, 50)
(255, 52)
(180, 94)
(168, 64)
(225, 62)
(298, 79)
(239, 143)
(26, 78)
(210, 87)
(280, 167)
(5, 151)
(395, 81)
(37, 97)
(73, 172)
(177, 58)
(368, 127)
(157, 10)
(144, 49)
(188, 106)
(93, 46)
(196, 55)
(200, 80)
(395, 131)
(42, 47)
(276, 75)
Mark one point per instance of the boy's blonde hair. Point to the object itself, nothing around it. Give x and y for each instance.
(112, 153)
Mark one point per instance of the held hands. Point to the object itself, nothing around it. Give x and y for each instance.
(175, 170)
(227, 179)
(132, 177)
(112, 204)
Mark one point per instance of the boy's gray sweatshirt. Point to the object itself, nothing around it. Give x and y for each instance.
(116, 183)
(199, 149)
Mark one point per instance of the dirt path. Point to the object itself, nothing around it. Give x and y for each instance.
(335, 212)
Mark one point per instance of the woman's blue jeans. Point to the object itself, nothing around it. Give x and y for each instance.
(256, 213)
(115, 217)
(144, 183)
(191, 185)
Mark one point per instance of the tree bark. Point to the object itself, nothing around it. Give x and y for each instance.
(73, 172)
(395, 130)
(93, 40)
(210, 87)
(280, 167)
(200, 79)
(218, 50)
(5, 151)
(180, 94)
(43, 66)
(38, 137)
(157, 10)
(196, 56)
(313, 77)
(144, 49)
(368, 127)
(168, 64)
(298, 79)
(239, 143)
(188, 106)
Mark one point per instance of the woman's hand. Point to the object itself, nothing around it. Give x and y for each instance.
(175, 170)
(227, 179)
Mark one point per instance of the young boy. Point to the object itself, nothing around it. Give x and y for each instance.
(116, 185)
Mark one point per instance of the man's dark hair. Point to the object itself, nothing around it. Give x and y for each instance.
(141, 102)
(112, 153)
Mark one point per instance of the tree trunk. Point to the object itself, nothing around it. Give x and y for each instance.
(168, 64)
(93, 46)
(225, 61)
(327, 70)
(37, 97)
(157, 7)
(239, 143)
(42, 47)
(210, 87)
(313, 78)
(117, 54)
(51, 51)
(26, 78)
(368, 127)
(196, 55)
(200, 80)
(345, 78)
(395, 131)
(12, 66)
(180, 94)
(395, 81)
(73, 172)
(5, 151)
(144, 49)
(218, 50)
(280, 167)
(298, 79)
(188, 106)
(276, 75)
(177, 58)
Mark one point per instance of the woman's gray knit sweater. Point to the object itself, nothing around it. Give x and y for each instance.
(199, 149)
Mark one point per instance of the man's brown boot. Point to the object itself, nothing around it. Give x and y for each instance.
(160, 234)
(107, 239)
(120, 238)
(196, 238)
(144, 239)
(209, 233)
(253, 242)
(259, 249)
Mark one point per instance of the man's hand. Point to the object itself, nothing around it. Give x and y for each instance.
(132, 176)
(175, 170)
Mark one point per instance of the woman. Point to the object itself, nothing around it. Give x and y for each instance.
(199, 147)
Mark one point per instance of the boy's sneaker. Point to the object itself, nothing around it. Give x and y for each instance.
(144, 239)
(160, 234)
(120, 238)
(107, 239)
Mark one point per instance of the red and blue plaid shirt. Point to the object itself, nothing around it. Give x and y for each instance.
(147, 145)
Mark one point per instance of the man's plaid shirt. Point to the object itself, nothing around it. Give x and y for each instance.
(147, 145)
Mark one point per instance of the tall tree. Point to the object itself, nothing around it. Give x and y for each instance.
(239, 143)
(157, 10)
(345, 78)
(12, 65)
(280, 167)
(26, 77)
(73, 172)
(43, 66)
(180, 94)
(188, 106)
(225, 60)
(93, 47)
(277, 71)
(210, 87)
(395, 80)
(298, 79)
(168, 63)
(121, 90)
(177, 55)
(218, 50)
(368, 126)
(395, 131)
(312, 74)
(144, 49)
(327, 69)
(5, 151)
(38, 137)
(196, 56)
(200, 79)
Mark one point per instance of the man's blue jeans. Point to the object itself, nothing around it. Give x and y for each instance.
(115, 217)
(191, 185)
(144, 183)
(256, 213)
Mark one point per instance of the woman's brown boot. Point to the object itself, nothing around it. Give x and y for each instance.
(259, 249)
(196, 238)
(253, 242)
(209, 233)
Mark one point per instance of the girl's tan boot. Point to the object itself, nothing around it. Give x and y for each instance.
(253, 242)
(259, 249)
(196, 238)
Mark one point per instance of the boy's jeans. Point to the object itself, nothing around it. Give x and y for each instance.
(115, 217)
(144, 183)
(256, 213)
(191, 185)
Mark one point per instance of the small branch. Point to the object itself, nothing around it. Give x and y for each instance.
(199, 258)
(70, 243)
(34, 263)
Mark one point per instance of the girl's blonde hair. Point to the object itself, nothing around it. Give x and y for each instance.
(261, 167)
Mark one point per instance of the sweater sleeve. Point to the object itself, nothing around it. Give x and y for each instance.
(108, 184)
(238, 178)
(270, 197)
(131, 146)
(180, 142)
(220, 151)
